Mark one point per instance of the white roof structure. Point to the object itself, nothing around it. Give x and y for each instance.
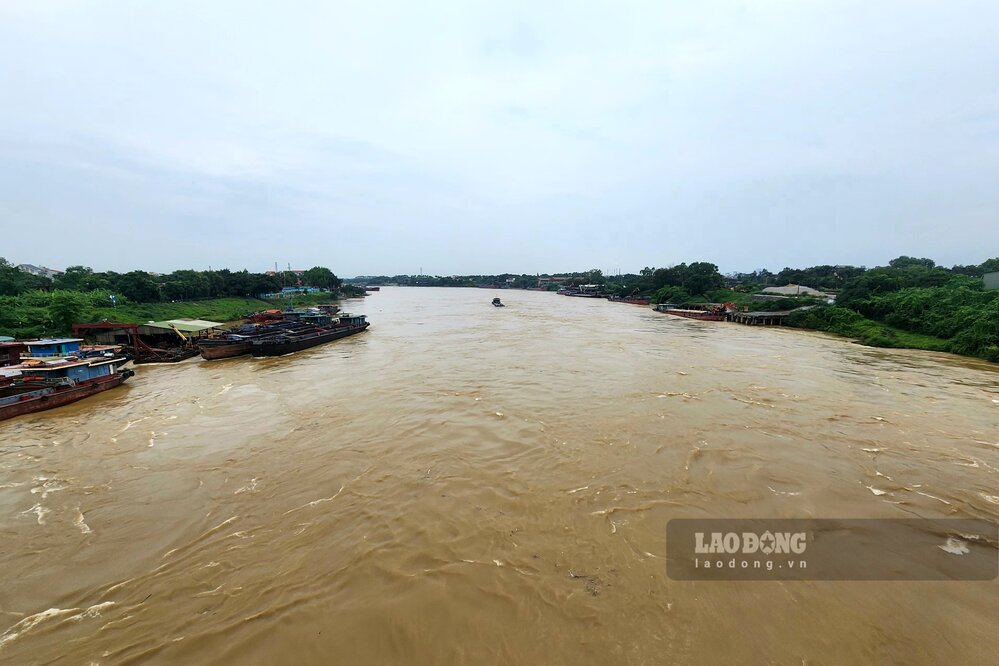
(795, 290)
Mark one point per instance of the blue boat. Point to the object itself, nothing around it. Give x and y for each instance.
(56, 372)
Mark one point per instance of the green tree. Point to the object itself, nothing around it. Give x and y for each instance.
(906, 262)
(701, 277)
(11, 282)
(139, 286)
(981, 336)
(72, 278)
(989, 266)
(671, 294)
(321, 278)
(66, 309)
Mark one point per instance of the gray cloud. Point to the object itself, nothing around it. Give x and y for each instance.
(378, 137)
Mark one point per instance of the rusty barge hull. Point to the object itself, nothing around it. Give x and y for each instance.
(212, 352)
(701, 315)
(37, 401)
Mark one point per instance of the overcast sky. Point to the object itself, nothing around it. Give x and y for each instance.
(479, 137)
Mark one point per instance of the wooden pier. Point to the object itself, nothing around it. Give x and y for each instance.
(758, 318)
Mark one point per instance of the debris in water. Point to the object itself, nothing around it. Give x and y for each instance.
(955, 547)
(919, 492)
(592, 583)
(782, 492)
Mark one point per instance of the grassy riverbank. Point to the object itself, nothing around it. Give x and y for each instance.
(848, 323)
(38, 314)
(213, 309)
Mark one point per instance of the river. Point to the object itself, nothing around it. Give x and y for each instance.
(469, 484)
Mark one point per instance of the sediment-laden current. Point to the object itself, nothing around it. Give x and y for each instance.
(469, 484)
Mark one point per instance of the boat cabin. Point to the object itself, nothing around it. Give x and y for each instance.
(10, 352)
(294, 314)
(316, 319)
(59, 347)
(77, 371)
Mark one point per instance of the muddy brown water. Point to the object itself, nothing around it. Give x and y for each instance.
(469, 484)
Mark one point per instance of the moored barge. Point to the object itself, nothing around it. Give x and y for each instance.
(239, 341)
(43, 381)
(286, 343)
(716, 313)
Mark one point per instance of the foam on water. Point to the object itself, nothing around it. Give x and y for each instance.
(955, 546)
(80, 524)
(39, 511)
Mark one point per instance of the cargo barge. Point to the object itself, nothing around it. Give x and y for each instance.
(286, 343)
(52, 373)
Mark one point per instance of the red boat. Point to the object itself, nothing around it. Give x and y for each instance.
(265, 316)
(703, 315)
(34, 394)
(56, 372)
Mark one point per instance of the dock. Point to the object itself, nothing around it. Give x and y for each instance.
(758, 318)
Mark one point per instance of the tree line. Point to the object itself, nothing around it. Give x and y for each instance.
(144, 287)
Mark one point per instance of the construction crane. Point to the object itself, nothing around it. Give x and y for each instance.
(177, 331)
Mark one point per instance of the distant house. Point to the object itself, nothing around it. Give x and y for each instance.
(290, 292)
(795, 290)
(991, 280)
(40, 271)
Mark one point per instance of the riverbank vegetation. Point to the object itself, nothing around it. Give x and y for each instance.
(33, 306)
(41, 313)
(927, 307)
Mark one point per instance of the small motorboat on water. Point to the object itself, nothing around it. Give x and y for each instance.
(498, 303)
